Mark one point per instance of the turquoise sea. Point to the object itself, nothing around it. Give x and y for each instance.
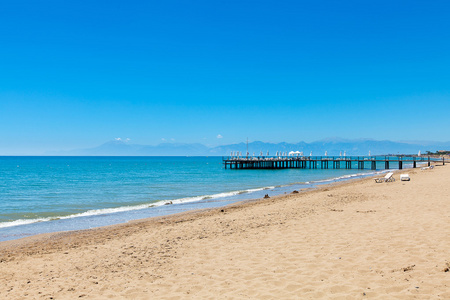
(49, 194)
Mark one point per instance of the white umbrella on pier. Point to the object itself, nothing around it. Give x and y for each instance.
(310, 154)
(326, 153)
(369, 153)
(418, 153)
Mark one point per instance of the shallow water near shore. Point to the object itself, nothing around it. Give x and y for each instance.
(49, 194)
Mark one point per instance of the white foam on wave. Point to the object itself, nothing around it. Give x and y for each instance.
(103, 211)
(23, 222)
(348, 176)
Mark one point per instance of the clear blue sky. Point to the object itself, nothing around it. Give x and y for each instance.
(75, 74)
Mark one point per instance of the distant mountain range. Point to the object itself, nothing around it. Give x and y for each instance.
(333, 146)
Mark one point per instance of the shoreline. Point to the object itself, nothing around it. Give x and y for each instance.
(238, 204)
(320, 186)
(124, 214)
(349, 239)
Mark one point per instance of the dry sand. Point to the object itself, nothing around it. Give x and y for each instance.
(359, 239)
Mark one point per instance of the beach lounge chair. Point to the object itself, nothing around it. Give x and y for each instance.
(387, 178)
(405, 177)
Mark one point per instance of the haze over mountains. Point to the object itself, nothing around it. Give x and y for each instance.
(333, 146)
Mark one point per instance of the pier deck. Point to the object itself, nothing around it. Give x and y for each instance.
(326, 162)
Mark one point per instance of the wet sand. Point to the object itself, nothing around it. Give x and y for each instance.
(357, 240)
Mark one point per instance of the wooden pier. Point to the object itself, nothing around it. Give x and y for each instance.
(326, 162)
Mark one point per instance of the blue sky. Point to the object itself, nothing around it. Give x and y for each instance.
(77, 74)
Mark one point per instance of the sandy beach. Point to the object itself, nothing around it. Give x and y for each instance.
(352, 240)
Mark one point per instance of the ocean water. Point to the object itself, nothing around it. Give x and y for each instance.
(49, 194)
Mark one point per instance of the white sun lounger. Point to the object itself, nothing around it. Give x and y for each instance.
(387, 178)
(405, 177)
